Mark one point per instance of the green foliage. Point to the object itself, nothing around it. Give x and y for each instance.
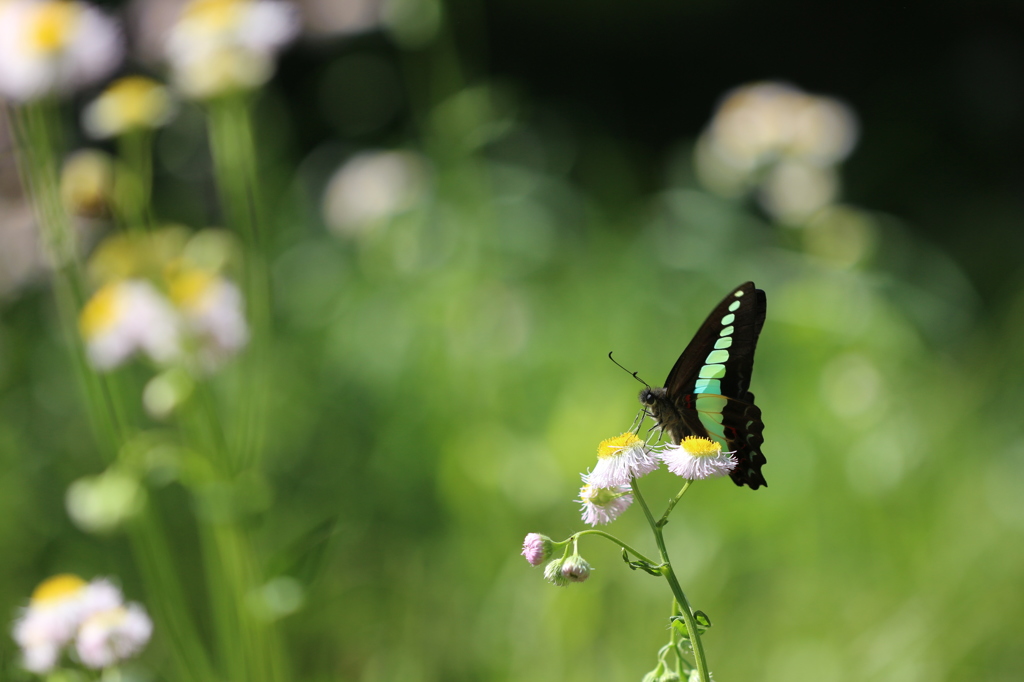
(437, 380)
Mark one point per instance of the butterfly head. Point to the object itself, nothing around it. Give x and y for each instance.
(654, 401)
(649, 397)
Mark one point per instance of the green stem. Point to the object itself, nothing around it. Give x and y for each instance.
(135, 181)
(614, 539)
(672, 504)
(235, 167)
(677, 590)
(252, 647)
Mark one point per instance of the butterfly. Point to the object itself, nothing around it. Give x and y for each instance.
(706, 393)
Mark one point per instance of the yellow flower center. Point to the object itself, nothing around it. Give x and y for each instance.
(612, 446)
(701, 447)
(54, 23)
(215, 15)
(137, 101)
(58, 587)
(188, 287)
(100, 312)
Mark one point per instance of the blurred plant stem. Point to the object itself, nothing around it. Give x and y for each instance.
(231, 563)
(237, 176)
(134, 180)
(37, 129)
(667, 571)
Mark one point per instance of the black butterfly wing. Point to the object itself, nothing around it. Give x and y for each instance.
(709, 384)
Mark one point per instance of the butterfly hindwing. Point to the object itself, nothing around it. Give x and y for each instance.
(709, 384)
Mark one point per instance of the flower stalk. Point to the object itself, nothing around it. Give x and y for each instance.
(670, 576)
(236, 172)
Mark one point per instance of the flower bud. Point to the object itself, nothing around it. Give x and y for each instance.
(575, 569)
(561, 572)
(537, 548)
(553, 573)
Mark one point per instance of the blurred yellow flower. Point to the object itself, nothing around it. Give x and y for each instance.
(87, 183)
(129, 103)
(54, 46)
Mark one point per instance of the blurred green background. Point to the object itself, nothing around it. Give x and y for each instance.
(439, 372)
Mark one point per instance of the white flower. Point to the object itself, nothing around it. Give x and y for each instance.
(65, 607)
(620, 459)
(54, 46)
(214, 312)
(131, 103)
(219, 46)
(100, 595)
(56, 609)
(125, 317)
(109, 636)
(49, 622)
(603, 505)
(761, 125)
(698, 458)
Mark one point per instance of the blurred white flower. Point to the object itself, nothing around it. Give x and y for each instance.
(221, 46)
(793, 191)
(332, 18)
(112, 635)
(763, 121)
(781, 140)
(54, 46)
(125, 317)
(56, 609)
(49, 622)
(372, 187)
(214, 313)
(129, 103)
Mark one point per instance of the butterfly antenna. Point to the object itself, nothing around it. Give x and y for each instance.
(632, 374)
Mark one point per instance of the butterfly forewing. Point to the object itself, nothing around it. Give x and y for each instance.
(707, 390)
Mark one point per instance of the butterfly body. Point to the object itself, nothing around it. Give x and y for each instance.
(707, 392)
